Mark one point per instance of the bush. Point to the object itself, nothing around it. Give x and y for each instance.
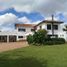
(54, 41)
(39, 36)
(58, 40)
(30, 39)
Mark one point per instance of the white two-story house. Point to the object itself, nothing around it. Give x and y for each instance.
(54, 28)
(20, 33)
(25, 30)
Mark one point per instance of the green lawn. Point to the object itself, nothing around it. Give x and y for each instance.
(35, 56)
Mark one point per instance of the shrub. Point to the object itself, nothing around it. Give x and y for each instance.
(58, 40)
(39, 36)
(54, 41)
(30, 39)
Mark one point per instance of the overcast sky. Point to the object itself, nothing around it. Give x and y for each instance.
(42, 6)
(45, 7)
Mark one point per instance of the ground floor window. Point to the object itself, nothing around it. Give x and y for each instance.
(3, 38)
(10, 38)
(32, 30)
(20, 36)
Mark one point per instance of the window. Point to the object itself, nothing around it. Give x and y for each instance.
(40, 27)
(48, 26)
(55, 27)
(21, 29)
(20, 36)
(32, 30)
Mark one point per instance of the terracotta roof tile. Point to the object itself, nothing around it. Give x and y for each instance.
(24, 25)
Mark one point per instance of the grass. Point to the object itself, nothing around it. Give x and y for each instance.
(35, 56)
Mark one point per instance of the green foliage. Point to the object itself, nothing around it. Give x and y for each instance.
(42, 31)
(59, 40)
(30, 39)
(39, 36)
(54, 41)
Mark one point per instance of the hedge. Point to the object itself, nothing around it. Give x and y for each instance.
(54, 41)
(40, 38)
(46, 41)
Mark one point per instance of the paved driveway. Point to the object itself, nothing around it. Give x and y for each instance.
(12, 45)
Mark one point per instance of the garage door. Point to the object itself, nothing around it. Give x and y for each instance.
(3, 38)
(12, 38)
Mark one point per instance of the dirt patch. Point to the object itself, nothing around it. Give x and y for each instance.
(12, 45)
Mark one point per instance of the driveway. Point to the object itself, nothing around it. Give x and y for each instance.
(12, 45)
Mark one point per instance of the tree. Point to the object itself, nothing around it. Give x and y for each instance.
(39, 36)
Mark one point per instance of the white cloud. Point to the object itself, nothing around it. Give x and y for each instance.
(8, 18)
(27, 21)
(46, 7)
(36, 22)
(24, 8)
(7, 29)
(24, 20)
(50, 18)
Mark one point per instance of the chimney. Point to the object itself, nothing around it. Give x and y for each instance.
(52, 17)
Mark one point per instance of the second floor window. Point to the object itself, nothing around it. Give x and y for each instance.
(21, 29)
(55, 27)
(48, 26)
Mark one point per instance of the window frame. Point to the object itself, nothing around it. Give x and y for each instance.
(55, 27)
(40, 27)
(20, 36)
(48, 28)
(22, 29)
(32, 30)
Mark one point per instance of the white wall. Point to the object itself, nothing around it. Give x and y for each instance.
(58, 32)
(7, 33)
(24, 34)
(18, 33)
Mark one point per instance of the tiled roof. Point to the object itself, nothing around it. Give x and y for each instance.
(24, 25)
(50, 21)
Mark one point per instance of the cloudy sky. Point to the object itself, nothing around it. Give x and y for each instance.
(30, 11)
